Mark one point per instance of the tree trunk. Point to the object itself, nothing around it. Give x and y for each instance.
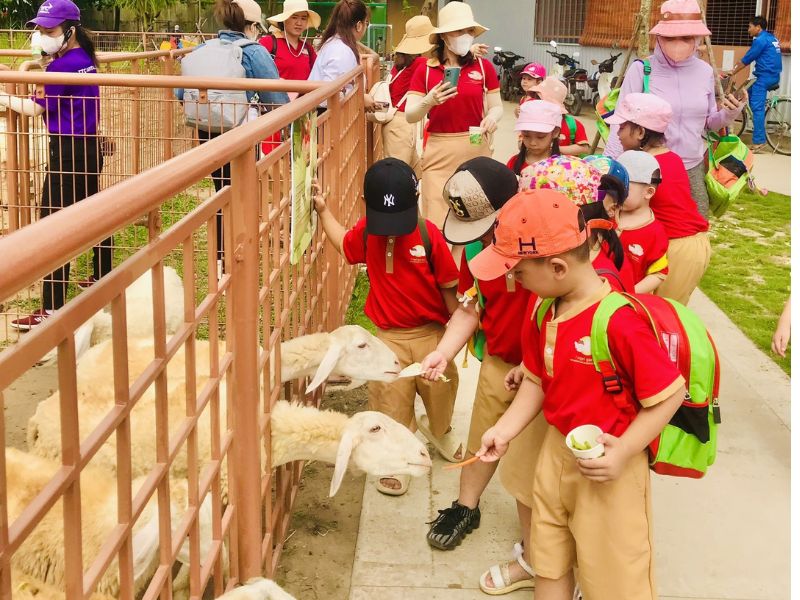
(117, 17)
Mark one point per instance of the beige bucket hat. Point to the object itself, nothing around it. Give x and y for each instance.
(291, 7)
(455, 16)
(416, 40)
(251, 11)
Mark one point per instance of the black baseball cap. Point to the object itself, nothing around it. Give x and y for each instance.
(391, 193)
(475, 192)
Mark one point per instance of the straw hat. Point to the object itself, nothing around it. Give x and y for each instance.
(680, 18)
(455, 16)
(291, 7)
(416, 40)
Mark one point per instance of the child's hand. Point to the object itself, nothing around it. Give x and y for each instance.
(493, 446)
(433, 366)
(320, 203)
(513, 378)
(609, 466)
(780, 340)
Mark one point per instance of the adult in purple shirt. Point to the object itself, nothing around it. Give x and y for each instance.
(681, 78)
(74, 158)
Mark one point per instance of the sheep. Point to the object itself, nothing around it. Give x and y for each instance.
(26, 587)
(139, 314)
(257, 588)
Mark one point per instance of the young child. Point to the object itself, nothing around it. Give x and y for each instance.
(643, 119)
(411, 295)
(476, 191)
(643, 238)
(572, 138)
(538, 123)
(595, 513)
(531, 75)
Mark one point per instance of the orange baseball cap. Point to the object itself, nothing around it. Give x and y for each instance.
(533, 224)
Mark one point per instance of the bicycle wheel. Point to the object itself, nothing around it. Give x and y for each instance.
(739, 124)
(779, 126)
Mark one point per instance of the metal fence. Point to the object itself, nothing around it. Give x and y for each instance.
(224, 353)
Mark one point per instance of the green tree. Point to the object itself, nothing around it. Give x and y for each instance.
(146, 11)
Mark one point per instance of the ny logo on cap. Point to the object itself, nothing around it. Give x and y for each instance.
(531, 246)
(388, 200)
(45, 8)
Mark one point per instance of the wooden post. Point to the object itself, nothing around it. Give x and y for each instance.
(645, 8)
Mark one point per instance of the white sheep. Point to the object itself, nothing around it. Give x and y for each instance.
(257, 588)
(139, 314)
(26, 587)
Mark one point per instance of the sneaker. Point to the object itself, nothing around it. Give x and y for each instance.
(452, 525)
(87, 283)
(27, 323)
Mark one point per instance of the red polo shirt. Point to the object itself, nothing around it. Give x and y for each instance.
(646, 250)
(621, 280)
(672, 203)
(292, 63)
(401, 81)
(463, 111)
(559, 358)
(505, 302)
(403, 292)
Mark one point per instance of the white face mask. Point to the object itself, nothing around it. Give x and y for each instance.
(459, 45)
(51, 45)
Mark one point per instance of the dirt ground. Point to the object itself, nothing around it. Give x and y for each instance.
(317, 560)
(20, 400)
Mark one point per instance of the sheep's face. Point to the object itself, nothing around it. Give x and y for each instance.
(364, 357)
(385, 447)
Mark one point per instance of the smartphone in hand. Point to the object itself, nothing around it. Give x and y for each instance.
(451, 75)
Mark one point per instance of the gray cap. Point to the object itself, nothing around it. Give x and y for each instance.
(642, 167)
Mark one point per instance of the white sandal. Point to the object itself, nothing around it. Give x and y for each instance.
(501, 578)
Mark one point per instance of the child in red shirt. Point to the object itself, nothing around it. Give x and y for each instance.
(595, 513)
(643, 118)
(411, 296)
(538, 125)
(643, 237)
(572, 138)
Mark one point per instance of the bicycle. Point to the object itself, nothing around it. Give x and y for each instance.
(777, 121)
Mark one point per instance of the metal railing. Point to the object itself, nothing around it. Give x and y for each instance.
(239, 317)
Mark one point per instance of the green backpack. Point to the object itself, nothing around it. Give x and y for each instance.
(687, 445)
(605, 107)
(477, 343)
(730, 167)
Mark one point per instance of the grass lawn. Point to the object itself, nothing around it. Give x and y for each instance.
(749, 275)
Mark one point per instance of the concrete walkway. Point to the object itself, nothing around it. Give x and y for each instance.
(723, 537)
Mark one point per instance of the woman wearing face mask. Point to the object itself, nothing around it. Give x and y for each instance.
(292, 50)
(681, 78)
(453, 110)
(71, 113)
(339, 52)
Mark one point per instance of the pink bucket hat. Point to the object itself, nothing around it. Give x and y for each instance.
(538, 115)
(680, 18)
(551, 89)
(534, 70)
(647, 110)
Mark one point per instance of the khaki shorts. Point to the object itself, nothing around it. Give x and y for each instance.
(397, 399)
(602, 528)
(518, 465)
(491, 400)
(688, 260)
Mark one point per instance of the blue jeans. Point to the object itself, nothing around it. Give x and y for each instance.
(758, 100)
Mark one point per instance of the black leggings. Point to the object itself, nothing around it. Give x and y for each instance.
(75, 164)
(221, 178)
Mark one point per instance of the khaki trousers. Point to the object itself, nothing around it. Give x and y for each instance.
(400, 141)
(397, 399)
(688, 260)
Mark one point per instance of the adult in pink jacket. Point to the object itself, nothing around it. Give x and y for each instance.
(684, 80)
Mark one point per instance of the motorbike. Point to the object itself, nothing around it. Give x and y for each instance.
(602, 82)
(574, 77)
(510, 72)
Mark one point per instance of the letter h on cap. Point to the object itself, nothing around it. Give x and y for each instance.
(531, 245)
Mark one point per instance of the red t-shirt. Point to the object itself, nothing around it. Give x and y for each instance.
(409, 295)
(463, 111)
(505, 301)
(564, 136)
(559, 357)
(672, 203)
(292, 63)
(646, 249)
(399, 85)
(621, 280)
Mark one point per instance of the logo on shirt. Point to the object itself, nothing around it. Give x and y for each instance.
(388, 200)
(476, 75)
(584, 345)
(417, 251)
(636, 250)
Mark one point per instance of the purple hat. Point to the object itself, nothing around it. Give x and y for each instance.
(54, 12)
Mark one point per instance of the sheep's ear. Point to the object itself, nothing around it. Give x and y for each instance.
(327, 365)
(346, 445)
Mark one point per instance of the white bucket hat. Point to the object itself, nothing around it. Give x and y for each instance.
(291, 7)
(251, 11)
(416, 40)
(455, 16)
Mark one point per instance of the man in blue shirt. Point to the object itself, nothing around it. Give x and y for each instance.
(766, 52)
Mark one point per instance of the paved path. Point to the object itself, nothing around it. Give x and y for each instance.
(725, 537)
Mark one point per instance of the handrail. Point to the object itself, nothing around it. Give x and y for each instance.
(167, 81)
(69, 236)
(107, 56)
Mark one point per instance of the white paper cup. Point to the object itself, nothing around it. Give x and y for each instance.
(582, 434)
(475, 135)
